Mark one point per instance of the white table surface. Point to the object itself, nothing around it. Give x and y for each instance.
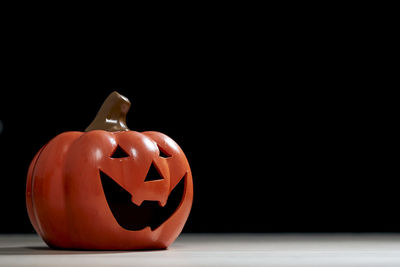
(219, 250)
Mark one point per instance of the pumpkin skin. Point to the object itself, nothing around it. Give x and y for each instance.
(65, 197)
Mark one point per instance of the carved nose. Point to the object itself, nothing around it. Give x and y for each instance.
(153, 174)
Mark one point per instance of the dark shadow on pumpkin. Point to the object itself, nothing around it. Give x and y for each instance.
(132, 217)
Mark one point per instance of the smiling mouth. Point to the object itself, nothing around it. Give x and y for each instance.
(133, 217)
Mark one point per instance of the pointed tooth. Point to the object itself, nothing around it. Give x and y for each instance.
(162, 203)
(137, 202)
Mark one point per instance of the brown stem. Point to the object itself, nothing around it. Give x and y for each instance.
(112, 114)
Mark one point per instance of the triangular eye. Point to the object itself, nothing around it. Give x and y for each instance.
(163, 153)
(119, 153)
(153, 174)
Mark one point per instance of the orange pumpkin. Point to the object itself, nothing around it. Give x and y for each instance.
(109, 188)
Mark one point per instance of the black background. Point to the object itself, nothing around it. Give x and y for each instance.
(292, 134)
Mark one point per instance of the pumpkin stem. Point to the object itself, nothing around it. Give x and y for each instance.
(112, 114)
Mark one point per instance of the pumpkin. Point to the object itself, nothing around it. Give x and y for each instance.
(109, 188)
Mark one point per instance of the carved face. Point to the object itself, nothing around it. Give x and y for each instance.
(145, 198)
(109, 190)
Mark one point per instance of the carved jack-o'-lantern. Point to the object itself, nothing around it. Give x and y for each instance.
(108, 187)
